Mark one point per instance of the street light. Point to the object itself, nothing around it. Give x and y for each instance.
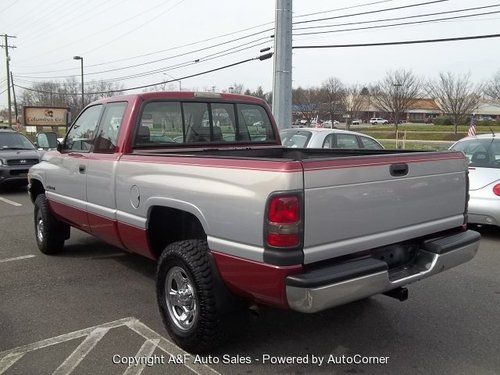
(81, 69)
(178, 80)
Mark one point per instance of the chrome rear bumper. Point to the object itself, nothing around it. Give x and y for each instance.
(436, 255)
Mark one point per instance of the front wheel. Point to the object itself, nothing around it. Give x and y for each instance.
(186, 296)
(50, 233)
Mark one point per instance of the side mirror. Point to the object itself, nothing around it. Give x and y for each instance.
(60, 146)
(46, 140)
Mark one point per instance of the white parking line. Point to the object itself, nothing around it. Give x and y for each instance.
(79, 353)
(147, 349)
(8, 201)
(17, 258)
(92, 336)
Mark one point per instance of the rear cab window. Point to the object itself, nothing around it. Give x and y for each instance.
(179, 123)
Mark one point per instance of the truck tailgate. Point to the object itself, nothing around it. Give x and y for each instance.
(358, 203)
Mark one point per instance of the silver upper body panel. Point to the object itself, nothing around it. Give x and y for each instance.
(349, 207)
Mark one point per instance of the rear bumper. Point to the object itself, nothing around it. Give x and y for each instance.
(342, 283)
(484, 210)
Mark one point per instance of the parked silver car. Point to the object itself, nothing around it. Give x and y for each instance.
(328, 138)
(483, 153)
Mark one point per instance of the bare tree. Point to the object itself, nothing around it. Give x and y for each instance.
(68, 93)
(492, 88)
(332, 96)
(357, 97)
(396, 93)
(306, 102)
(456, 95)
(237, 88)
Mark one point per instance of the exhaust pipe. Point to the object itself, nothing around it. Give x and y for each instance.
(400, 293)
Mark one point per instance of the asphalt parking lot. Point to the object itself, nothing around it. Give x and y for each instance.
(93, 305)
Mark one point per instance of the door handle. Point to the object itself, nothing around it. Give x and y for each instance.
(398, 170)
(82, 168)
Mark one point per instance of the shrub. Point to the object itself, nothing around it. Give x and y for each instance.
(443, 120)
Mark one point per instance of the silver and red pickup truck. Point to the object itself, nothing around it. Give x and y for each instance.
(200, 183)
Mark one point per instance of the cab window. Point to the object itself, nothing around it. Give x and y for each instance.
(107, 137)
(81, 135)
(165, 123)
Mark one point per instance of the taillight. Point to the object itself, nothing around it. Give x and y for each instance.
(496, 189)
(284, 221)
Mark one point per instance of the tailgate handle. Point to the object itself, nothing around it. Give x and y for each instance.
(399, 169)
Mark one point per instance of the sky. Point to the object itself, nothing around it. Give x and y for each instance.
(143, 42)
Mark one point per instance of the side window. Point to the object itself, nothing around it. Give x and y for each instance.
(370, 144)
(81, 134)
(161, 123)
(107, 136)
(346, 141)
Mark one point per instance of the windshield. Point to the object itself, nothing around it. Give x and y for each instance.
(483, 152)
(295, 138)
(15, 141)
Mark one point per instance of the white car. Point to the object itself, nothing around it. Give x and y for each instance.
(378, 120)
(483, 154)
(328, 138)
(327, 124)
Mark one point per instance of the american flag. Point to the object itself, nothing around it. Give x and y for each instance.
(472, 127)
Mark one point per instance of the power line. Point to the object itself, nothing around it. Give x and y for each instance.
(9, 6)
(261, 58)
(397, 24)
(174, 48)
(397, 18)
(371, 11)
(206, 58)
(158, 60)
(134, 17)
(345, 8)
(398, 42)
(44, 29)
(209, 39)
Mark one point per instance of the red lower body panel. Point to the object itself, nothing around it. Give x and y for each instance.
(111, 231)
(72, 215)
(105, 229)
(135, 239)
(261, 282)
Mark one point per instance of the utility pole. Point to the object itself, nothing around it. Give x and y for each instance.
(14, 95)
(282, 76)
(7, 59)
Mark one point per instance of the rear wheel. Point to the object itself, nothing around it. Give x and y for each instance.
(50, 233)
(186, 296)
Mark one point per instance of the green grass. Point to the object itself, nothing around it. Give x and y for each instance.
(423, 136)
(428, 128)
(391, 145)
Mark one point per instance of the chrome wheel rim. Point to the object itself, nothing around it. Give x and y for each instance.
(181, 298)
(39, 229)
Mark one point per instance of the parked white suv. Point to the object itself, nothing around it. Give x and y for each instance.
(378, 120)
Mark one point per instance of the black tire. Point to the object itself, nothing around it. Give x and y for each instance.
(189, 260)
(50, 233)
